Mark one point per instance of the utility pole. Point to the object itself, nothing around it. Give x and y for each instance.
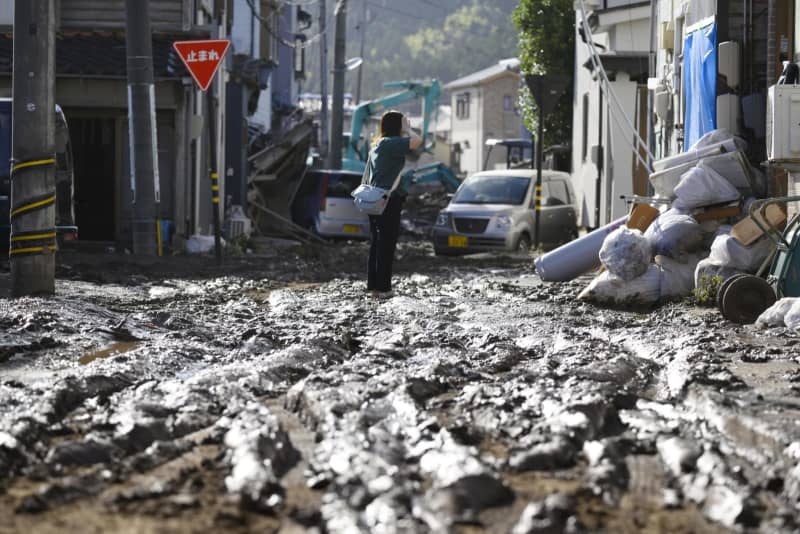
(142, 127)
(33, 188)
(323, 82)
(361, 53)
(337, 118)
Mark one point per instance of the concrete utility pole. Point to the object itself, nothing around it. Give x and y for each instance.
(323, 82)
(361, 54)
(142, 127)
(337, 119)
(33, 184)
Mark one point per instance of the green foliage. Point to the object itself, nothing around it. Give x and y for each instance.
(547, 46)
(705, 294)
(445, 39)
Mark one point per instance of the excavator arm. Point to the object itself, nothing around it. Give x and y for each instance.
(357, 150)
(435, 172)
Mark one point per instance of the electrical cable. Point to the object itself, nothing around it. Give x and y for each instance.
(265, 24)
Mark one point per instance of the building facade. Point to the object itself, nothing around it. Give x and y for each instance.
(604, 166)
(484, 106)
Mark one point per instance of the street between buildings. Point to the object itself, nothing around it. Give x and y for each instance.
(273, 394)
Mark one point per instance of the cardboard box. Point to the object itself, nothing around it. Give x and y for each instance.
(747, 232)
(642, 216)
(718, 213)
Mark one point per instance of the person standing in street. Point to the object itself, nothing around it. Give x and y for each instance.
(386, 159)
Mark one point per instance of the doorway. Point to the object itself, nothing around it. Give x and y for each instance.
(94, 150)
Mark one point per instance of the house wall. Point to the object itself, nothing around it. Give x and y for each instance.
(498, 122)
(466, 131)
(165, 15)
(616, 175)
(585, 135)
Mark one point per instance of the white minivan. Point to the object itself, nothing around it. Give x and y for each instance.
(323, 204)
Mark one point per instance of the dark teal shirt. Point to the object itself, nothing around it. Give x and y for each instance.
(386, 159)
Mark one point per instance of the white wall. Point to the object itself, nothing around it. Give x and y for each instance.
(616, 177)
(467, 131)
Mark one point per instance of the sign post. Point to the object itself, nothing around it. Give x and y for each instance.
(202, 59)
(546, 90)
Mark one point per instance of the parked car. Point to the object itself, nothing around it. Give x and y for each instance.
(65, 212)
(323, 205)
(495, 210)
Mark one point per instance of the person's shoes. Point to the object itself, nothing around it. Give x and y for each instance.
(381, 294)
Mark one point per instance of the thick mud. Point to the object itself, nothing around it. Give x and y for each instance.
(272, 394)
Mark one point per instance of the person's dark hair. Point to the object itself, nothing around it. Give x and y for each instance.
(391, 124)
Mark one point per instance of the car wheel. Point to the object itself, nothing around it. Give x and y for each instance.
(523, 243)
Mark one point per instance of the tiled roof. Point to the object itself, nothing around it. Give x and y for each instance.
(506, 65)
(100, 54)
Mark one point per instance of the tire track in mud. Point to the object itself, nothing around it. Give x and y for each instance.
(472, 401)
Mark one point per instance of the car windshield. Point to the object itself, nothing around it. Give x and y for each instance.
(493, 190)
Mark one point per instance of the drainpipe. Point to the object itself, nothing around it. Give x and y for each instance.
(771, 56)
(599, 163)
(651, 73)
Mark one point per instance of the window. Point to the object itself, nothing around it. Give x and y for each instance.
(585, 126)
(557, 189)
(462, 106)
(508, 103)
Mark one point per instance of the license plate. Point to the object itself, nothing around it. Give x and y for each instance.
(351, 229)
(457, 241)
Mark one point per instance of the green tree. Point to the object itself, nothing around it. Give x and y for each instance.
(473, 37)
(547, 46)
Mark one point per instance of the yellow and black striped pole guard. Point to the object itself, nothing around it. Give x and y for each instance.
(32, 241)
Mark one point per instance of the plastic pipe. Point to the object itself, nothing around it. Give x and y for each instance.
(576, 257)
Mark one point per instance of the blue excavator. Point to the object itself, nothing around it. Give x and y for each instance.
(357, 149)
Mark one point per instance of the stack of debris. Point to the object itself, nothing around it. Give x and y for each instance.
(695, 231)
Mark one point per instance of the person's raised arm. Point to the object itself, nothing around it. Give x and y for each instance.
(415, 141)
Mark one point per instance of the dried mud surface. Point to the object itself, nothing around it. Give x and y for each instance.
(274, 395)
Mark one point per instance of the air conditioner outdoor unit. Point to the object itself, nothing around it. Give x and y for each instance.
(783, 124)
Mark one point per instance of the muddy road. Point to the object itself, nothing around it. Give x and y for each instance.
(274, 395)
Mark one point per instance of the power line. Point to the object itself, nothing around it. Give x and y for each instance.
(265, 24)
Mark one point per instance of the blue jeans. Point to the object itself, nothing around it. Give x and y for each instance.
(383, 230)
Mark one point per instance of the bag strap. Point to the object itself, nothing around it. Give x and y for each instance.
(366, 176)
(396, 182)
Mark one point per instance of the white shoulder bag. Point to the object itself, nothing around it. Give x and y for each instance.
(370, 199)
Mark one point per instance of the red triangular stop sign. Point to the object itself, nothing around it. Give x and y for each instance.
(202, 58)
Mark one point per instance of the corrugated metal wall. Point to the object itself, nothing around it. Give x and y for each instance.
(110, 14)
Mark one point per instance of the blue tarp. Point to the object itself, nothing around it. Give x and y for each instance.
(700, 83)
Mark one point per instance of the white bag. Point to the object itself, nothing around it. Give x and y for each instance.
(626, 253)
(792, 317)
(703, 186)
(677, 278)
(775, 314)
(726, 250)
(674, 234)
(610, 289)
(370, 199)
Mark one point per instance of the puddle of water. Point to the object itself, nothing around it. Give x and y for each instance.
(120, 347)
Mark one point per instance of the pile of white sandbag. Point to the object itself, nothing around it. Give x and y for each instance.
(785, 312)
(676, 253)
